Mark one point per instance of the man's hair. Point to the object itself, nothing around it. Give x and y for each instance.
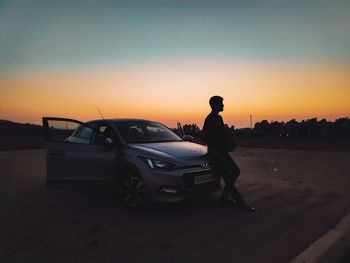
(215, 100)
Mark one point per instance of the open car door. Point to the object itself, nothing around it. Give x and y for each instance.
(71, 154)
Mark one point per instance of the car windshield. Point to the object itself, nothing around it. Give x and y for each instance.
(145, 132)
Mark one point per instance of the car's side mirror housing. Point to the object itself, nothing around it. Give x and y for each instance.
(187, 138)
(109, 142)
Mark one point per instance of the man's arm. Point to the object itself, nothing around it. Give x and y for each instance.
(204, 133)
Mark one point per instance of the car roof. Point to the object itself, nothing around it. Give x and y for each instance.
(118, 120)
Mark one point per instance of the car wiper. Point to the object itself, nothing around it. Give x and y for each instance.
(157, 141)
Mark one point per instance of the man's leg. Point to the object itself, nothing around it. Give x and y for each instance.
(231, 189)
(232, 167)
(221, 167)
(230, 177)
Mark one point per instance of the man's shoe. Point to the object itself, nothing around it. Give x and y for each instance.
(246, 208)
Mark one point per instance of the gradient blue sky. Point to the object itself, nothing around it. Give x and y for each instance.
(63, 34)
(163, 60)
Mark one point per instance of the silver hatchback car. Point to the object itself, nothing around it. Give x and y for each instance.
(143, 159)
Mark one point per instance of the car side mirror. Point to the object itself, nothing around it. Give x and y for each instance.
(187, 138)
(109, 142)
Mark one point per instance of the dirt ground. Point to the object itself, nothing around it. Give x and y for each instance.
(19, 142)
(299, 195)
(331, 145)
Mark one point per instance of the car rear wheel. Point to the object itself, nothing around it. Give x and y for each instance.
(132, 191)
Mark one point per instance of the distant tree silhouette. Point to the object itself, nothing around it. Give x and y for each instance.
(342, 126)
(310, 128)
(263, 125)
(191, 129)
(292, 128)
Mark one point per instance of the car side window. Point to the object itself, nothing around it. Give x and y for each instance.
(83, 135)
(105, 131)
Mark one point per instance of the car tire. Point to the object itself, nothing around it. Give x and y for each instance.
(131, 191)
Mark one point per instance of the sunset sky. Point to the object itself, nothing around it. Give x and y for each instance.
(163, 60)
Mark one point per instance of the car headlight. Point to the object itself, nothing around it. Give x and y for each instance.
(158, 164)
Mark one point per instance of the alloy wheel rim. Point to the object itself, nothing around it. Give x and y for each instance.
(132, 191)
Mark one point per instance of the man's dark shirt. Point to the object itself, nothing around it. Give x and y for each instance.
(214, 133)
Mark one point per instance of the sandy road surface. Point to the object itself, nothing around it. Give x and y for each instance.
(299, 196)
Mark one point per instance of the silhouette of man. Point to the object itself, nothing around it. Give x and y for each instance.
(220, 143)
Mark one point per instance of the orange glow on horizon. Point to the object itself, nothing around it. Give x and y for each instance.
(180, 92)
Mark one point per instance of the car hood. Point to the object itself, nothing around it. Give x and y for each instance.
(179, 150)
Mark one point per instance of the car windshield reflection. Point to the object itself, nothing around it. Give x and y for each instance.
(145, 132)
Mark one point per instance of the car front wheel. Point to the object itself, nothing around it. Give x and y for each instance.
(132, 191)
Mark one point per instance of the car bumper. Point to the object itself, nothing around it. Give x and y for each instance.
(178, 185)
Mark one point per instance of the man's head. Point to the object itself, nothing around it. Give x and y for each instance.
(216, 103)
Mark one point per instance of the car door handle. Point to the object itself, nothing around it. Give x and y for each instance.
(58, 152)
